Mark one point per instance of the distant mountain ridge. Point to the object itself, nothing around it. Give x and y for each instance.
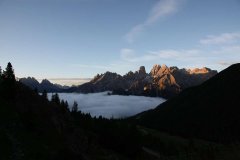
(43, 85)
(161, 81)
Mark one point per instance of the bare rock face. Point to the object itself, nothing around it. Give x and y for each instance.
(155, 70)
(162, 81)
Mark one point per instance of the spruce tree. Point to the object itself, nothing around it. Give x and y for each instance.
(0, 73)
(55, 98)
(44, 94)
(8, 82)
(75, 107)
(62, 103)
(66, 104)
(9, 72)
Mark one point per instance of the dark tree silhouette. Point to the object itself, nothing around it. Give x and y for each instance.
(0, 71)
(44, 94)
(36, 90)
(8, 82)
(75, 107)
(66, 104)
(9, 72)
(62, 103)
(55, 98)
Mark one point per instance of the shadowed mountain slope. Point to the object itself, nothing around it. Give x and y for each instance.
(210, 110)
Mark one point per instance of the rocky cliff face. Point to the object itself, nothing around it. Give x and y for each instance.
(161, 81)
(164, 82)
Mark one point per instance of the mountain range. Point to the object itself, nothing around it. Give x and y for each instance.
(161, 81)
(43, 85)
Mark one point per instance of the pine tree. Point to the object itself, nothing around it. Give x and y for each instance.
(55, 98)
(62, 103)
(8, 82)
(75, 107)
(0, 73)
(66, 104)
(44, 94)
(9, 72)
(36, 90)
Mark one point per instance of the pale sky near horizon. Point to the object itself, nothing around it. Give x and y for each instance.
(80, 38)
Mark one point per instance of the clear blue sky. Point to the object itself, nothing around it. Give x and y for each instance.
(80, 38)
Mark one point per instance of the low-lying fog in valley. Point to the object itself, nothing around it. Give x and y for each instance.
(108, 106)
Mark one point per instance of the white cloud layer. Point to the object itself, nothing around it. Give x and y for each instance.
(111, 106)
(162, 9)
(224, 38)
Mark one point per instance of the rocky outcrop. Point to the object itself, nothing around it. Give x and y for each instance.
(161, 81)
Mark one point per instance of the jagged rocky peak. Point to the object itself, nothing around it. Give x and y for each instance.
(155, 69)
(45, 81)
(130, 73)
(164, 66)
(28, 79)
(95, 78)
(109, 74)
(142, 70)
(106, 75)
(164, 69)
(174, 68)
(158, 70)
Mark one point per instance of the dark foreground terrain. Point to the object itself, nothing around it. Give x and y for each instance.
(202, 123)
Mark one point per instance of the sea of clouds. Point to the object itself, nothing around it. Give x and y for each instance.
(108, 106)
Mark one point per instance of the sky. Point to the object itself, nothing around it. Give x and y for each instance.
(80, 38)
